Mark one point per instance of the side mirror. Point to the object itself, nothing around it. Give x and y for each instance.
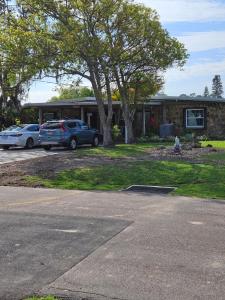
(85, 127)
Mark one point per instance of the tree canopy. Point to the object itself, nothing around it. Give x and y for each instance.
(115, 44)
(23, 56)
(72, 92)
(217, 87)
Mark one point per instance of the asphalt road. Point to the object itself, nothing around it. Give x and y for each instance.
(19, 154)
(96, 245)
(36, 249)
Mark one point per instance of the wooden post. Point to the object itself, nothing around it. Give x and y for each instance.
(144, 121)
(164, 114)
(40, 116)
(89, 115)
(82, 114)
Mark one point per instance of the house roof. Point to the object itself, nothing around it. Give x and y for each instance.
(91, 101)
(165, 98)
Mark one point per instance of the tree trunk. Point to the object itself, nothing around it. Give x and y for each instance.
(129, 133)
(107, 136)
(128, 120)
(105, 119)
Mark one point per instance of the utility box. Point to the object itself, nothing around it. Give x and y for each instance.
(167, 130)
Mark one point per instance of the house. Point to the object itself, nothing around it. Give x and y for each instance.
(204, 116)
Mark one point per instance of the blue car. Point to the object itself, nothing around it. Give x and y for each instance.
(67, 133)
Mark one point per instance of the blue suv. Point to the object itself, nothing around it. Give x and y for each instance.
(67, 133)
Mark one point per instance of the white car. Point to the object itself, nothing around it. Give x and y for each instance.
(24, 135)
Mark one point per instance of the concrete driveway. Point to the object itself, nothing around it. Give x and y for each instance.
(97, 245)
(19, 154)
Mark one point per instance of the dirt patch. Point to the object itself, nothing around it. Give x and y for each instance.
(192, 155)
(48, 167)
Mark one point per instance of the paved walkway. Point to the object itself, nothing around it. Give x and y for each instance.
(8, 156)
(146, 246)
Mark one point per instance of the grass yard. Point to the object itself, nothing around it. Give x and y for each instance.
(120, 151)
(215, 157)
(215, 144)
(200, 180)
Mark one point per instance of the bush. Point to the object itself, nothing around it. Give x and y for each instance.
(116, 133)
(144, 139)
(202, 138)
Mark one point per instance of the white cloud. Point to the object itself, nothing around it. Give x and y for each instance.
(188, 10)
(193, 78)
(41, 93)
(198, 70)
(202, 41)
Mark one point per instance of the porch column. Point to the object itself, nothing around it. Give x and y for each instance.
(164, 114)
(144, 121)
(82, 114)
(89, 115)
(40, 116)
(61, 113)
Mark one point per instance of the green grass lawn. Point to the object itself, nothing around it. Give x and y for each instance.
(120, 151)
(201, 180)
(215, 144)
(216, 157)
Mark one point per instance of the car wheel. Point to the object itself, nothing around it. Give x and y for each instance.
(47, 148)
(5, 147)
(73, 144)
(95, 142)
(29, 143)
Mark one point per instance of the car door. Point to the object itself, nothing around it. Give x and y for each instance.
(75, 130)
(86, 133)
(33, 132)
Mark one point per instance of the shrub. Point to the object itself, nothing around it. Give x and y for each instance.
(116, 132)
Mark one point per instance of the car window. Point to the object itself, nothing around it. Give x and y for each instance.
(32, 128)
(51, 125)
(83, 123)
(16, 128)
(73, 124)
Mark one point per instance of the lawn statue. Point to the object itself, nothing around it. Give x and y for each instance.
(177, 146)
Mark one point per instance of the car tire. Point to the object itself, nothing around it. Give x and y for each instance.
(73, 144)
(95, 142)
(29, 143)
(5, 147)
(47, 148)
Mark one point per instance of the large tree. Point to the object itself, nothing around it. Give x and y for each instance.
(22, 57)
(206, 92)
(217, 87)
(113, 43)
(76, 26)
(140, 50)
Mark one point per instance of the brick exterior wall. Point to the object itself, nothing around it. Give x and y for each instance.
(214, 117)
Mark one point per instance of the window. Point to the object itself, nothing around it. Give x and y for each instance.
(71, 124)
(195, 118)
(52, 125)
(16, 128)
(81, 123)
(33, 128)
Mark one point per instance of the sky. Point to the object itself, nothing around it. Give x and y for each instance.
(200, 25)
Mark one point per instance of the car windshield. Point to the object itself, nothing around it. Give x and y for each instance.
(16, 127)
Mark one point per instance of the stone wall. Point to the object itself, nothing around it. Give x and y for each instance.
(215, 117)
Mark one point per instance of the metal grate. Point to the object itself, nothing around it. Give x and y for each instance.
(150, 189)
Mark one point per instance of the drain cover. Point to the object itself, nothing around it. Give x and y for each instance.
(150, 189)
